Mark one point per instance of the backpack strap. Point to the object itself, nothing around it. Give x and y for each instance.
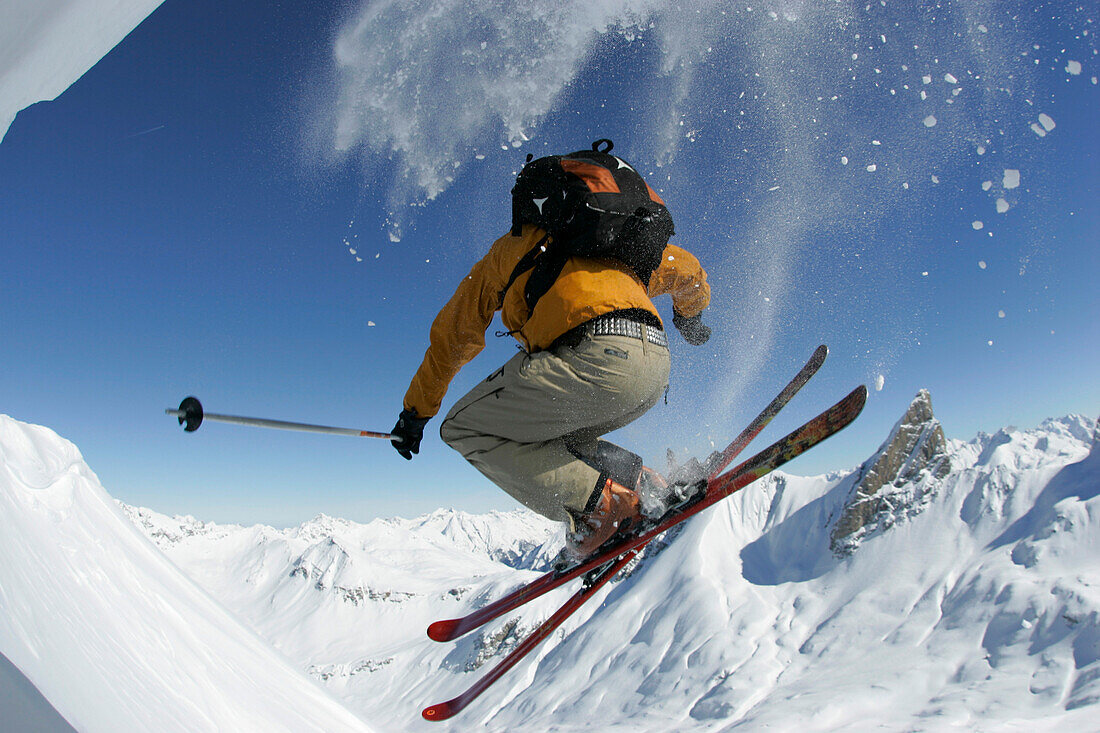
(525, 263)
(544, 272)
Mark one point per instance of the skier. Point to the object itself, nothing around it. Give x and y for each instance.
(594, 354)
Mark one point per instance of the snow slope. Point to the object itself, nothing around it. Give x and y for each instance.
(975, 606)
(46, 45)
(110, 631)
(351, 601)
(970, 600)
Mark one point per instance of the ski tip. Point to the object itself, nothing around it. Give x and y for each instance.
(820, 353)
(435, 713)
(854, 402)
(443, 630)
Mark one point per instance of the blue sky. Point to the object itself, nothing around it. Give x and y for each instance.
(182, 219)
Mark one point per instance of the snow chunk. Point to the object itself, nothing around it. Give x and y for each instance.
(986, 185)
(1074, 68)
(930, 121)
(1011, 178)
(1002, 206)
(872, 168)
(880, 380)
(950, 79)
(981, 264)
(1046, 124)
(977, 225)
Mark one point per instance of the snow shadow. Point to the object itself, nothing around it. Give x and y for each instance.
(1075, 480)
(795, 548)
(23, 707)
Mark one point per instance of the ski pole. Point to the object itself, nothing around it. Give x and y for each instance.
(190, 412)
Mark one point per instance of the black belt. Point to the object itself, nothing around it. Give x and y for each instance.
(634, 323)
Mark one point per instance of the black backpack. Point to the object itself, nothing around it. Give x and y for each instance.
(591, 204)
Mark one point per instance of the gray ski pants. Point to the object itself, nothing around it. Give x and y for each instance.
(533, 426)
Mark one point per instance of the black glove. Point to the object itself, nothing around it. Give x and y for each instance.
(409, 431)
(694, 331)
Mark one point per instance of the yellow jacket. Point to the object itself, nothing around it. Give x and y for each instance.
(586, 288)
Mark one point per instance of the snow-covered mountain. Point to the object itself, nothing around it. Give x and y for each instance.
(110, 631)
(942, 584)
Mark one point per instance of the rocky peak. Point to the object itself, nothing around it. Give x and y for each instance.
(898, 479)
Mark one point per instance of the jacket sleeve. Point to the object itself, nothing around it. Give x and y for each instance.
(681, 276)
(457, 334)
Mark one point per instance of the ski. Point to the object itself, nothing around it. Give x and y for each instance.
(444, 710)
(601, 568)
(757, 425)
(451, 629)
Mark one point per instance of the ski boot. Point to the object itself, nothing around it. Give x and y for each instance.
(617, 511)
